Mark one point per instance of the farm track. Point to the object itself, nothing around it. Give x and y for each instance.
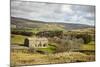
(18, 47)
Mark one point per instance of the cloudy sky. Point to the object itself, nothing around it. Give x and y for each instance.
(51, 12)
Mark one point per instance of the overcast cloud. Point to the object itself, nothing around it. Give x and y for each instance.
(51, 12)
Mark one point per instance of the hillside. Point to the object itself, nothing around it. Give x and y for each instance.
(25, 23)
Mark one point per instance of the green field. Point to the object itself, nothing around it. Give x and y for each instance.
(17, 39)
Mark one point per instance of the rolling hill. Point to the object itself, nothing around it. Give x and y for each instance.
(25, 23)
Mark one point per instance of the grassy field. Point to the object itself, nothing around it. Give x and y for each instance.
(87, 47)
(49, 49)
(17, 39)
(64, 57)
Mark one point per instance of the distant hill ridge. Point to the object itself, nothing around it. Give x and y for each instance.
(35, 23)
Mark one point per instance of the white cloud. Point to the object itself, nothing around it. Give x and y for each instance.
(66, 8)
(53, 12)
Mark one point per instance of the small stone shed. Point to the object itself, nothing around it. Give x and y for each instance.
(36, 42)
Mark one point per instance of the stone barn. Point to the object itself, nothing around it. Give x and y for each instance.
(36, 42)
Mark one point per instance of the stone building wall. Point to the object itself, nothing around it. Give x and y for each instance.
(37, 42)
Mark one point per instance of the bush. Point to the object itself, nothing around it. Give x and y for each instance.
(22, 33)
(69, 44)
(50, 33)
(86, 37)
(73, 44)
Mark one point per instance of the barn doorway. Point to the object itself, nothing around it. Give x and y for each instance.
(26, 42)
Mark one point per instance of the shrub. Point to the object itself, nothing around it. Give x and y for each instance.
(50, 33)
(69, 44)
(22, 33)
(86, 37)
